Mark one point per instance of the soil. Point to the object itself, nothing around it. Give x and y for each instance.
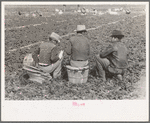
(140, 88)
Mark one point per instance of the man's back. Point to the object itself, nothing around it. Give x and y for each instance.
(118, 57)
(80, 48)
(45, 52)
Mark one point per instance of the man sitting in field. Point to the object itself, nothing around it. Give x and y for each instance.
(49, 57)
(114, 58)
(79, 48)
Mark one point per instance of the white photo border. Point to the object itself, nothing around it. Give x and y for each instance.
(51, 110)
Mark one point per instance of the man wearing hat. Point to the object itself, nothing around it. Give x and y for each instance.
(79, 48)
(114, 58)
(49, 57)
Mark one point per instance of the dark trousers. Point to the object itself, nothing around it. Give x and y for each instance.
(54, 68)
(103, 65)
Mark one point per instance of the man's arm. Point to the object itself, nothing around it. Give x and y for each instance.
(68, 48)
(35, 55)
(107, 51)
(54, 54)
(88, 49)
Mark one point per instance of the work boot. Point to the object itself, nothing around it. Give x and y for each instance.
(119, 77)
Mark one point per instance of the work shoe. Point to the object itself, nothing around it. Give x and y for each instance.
(119, 77)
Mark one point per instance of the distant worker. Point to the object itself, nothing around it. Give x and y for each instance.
(78, 7)
(49, 57)
(38, 13)
(64, 8)
(114, 58)
(19, 13)
(128, 11)
(94, 11)
(79, 48)
(83, 10)
(60, 12)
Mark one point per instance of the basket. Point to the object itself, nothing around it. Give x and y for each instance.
(36, 75)
(77, 75)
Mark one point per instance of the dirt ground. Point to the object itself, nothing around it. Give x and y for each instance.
(140, 88)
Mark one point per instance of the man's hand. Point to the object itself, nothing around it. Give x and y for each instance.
(61, 54)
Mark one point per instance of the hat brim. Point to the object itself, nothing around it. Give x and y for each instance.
(58, 40)
(79, 30)
(55, 38)
(117, 36)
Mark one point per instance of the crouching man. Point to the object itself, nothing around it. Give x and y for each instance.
(49, 57)
(114, 58)
(79, 48)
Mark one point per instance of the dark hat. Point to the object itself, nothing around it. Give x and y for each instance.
(116, 33)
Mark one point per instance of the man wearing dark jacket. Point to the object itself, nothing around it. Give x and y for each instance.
(49, 57)
(79, 48)
(114, 58)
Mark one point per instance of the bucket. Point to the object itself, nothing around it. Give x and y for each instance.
(77, 75)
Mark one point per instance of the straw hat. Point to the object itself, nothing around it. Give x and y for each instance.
(55, 36)
(117, 33)
(80, 28)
